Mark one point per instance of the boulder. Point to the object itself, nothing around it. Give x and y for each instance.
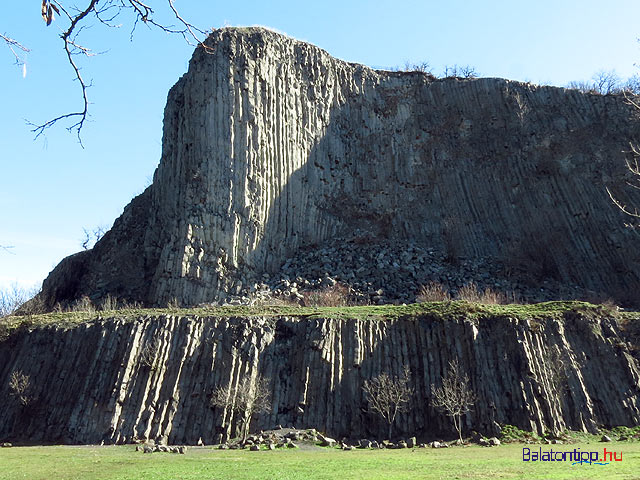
(326, 441)
(364, 443)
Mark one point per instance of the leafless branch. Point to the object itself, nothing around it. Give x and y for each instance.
(388, 396)
(19, 384)
(15, 46)
(455, 396)
(633, 166)
(248, 398)
(106, 12)
(7, 248)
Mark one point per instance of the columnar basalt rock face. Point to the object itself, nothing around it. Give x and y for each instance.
(271, 145)
(91, 383)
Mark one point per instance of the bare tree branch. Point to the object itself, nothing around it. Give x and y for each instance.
(7, 248)
(106, 12)
(16, 47)
(455, 396)
(633, 167)
(389, 396)
(248, 398)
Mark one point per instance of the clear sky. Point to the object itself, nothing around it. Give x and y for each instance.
(52, 188)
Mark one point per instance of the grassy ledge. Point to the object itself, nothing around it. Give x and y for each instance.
(436, 310)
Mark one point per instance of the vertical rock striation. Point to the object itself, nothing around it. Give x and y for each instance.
(92, 383)
(271, 145)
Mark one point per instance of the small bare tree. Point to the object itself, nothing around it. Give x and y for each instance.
(455, 396)
(19, 387)
(389, 396)
(13, 297)
(91, 237)
(247, 399)
(148, 354)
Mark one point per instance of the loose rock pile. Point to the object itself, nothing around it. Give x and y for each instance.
(293, 438)
(385, 272)
(151, 448)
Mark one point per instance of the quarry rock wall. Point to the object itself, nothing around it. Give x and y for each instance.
(271, 146)
(93, 383)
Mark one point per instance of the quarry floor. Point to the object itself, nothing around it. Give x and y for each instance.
(123, 463)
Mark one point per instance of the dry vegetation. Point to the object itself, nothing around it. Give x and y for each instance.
(436, 292)
(19, 384)
(388, 396)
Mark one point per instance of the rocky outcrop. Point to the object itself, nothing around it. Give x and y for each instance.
(272, 147)
(119, 380)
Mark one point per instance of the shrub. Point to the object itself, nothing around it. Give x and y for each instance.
(14, 297)
(433, 292)
(109, 303)
(83, 304)
(148, 355)
(19, 386)
(333, 296)
(512, 434)
(470, 293)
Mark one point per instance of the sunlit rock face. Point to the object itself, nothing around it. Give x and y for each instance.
(93, 382)
(271, 146)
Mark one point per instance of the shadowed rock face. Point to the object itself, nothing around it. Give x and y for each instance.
(92, 383)
(271, 145)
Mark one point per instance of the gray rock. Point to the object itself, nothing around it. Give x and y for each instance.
(494, 442)
(254, 448)
(326, 441)
(605, 438)
(150, 254)
(412, 442)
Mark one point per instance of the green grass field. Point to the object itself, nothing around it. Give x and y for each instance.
(123, 462)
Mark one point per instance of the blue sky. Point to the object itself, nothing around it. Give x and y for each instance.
(52, 188)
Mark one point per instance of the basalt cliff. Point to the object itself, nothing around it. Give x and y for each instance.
(274, 150)
(284, 170)
(122, 379)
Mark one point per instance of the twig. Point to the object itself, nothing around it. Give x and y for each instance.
(7, 248)
(14, 44)
(106, 14)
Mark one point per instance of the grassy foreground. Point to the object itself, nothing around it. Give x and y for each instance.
(123, 462)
